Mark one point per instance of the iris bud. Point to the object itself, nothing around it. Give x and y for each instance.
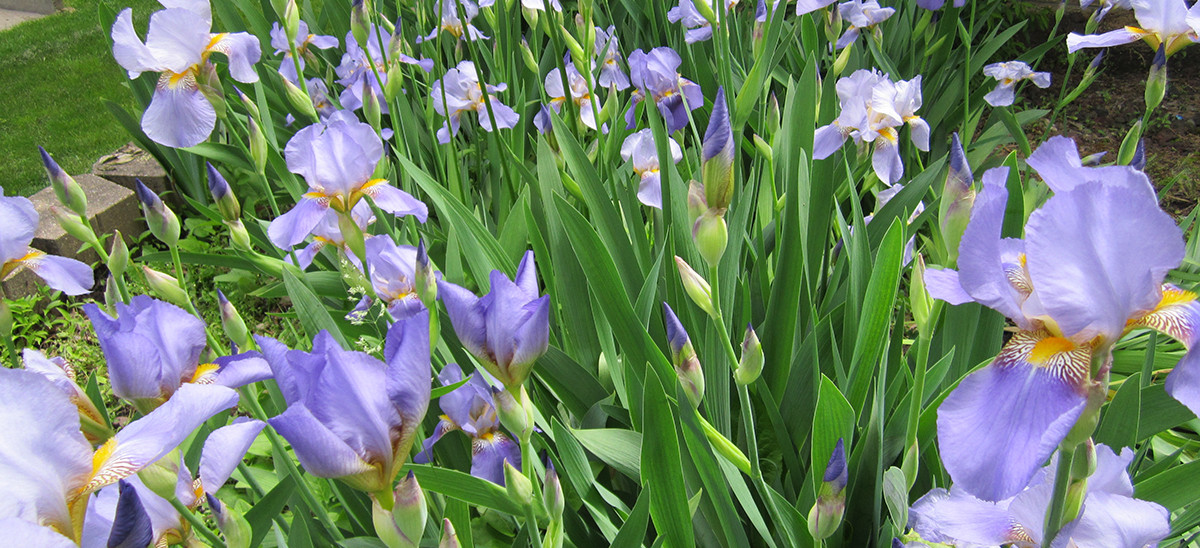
(404, 525)
(695, 286)
(162, 221)
(111, 297)
(826, 515)
(922, 304)
(516, 412)
(1156, 82)
(210, 86)
(222, 194)
(232, 322)
(527, 57)
(711, 236)
(696, 202)
(291, 20)
(372, 110)
(552, 495)
(251, 107)
(449, 536)
(716, 157)
(232, 524)
(299, 99)
(573, 46)
(751, 364)
(238, 235)
(957, 197)
(359, 19)
(73, 225)
(118, 256)
(518, 486)
(258, 146)
(165, 287)
(683, 358)
(424, 278)
(162, 476)
(843, 58)
(68, 192)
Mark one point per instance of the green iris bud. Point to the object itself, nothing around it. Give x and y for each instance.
(68, 192)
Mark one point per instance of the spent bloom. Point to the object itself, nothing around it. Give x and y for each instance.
(1007, 74)
(304, 40)
(452, 23)
(639, 149)
(460, 91)
(1090, 269)
(177, 46)
(337, 159)
(579, 94)
(609, 53)
(1110, 515)
(509, 328)
(655, 76)
(349, 415)
(358, 69)
(471, 408)
(18, 223)
(1170, 23)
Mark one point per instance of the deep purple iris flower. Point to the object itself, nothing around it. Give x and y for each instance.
(359, 68)
(458, 92)
(177, 46)
(18, 223)
(304, 40)
(1090, 269)
(152, 348)
(1110, 515)
(507, 329)
(471, 408)
(655, 76)
(337, 159)
(350, 416)
(393, 275)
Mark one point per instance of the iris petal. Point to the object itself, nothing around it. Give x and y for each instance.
(67, 275)
(179, 115)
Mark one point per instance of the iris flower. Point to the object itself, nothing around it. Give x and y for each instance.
(1090, 268)
(472, 409)
(328, 233)
(507, 329)
(873, 109)
(152, 348)
(50, 470)
(359, 67)
(655, 76)
(337, 159)
(580, 95)
(18, 223)
(861, 16)
(639, 149)
(393, 275)
(698, 27)
(536, 5)
(350, 416)
(608, 52)
(459, 91)
(59, 372)
(304, 40)
(452, 23)
(178, 46)
(1168, 22)
(1105, 6)
(1007, 74)
(1110, 515)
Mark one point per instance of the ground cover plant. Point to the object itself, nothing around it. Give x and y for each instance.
(543, 273)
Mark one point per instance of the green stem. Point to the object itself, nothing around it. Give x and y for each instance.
(527, 468)
(918, 391)
(1058, 501)
(197, 524)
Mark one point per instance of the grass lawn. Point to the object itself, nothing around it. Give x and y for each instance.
(57, 72)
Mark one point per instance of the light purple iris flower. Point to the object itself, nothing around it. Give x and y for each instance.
(18, 223)
(177, 47)
(1090, 268)
(873, 108)
(328, 233)
(937, 4)
(471, 408)
(809, 6)
(452, 23)
(507, 329)
(655, 76)
(1105, 6)
(152, 348)
(860, 15)
(393, 275)
(1168, 22)
(304, 40)
(358, 68)
(1110, 515)
(608, 52)
(580, 95)
(639, 149)
(459, 91)
(224, 450)
(50, 470)
(1007, 75)
(698, 27)
(59, 372)
(350, 416)
(337, 159)
(536, 5)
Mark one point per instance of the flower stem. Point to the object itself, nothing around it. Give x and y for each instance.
(1058, 501)
(197, 524)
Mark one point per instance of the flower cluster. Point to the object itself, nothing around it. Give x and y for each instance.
(873, 110)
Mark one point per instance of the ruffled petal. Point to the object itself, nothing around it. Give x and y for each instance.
(179, 115)
(128, 49)
(243, 51)
(981, 262)
(1002, 96)
(956, 517)
(175, 40)
(396, 201)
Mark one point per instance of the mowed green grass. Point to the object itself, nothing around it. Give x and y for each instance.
(57, 72)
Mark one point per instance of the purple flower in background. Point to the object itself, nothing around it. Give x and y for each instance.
(50, 470)
(873, 108)
(698, 27)
(18, 223)
(1167, 22)
(153, 347)
(937, 4)
(1105, 6)
(459, 91)
(609, 54)
(393, 275)
(507, 329)
(580, 95)
(177, 46)
(1090, 268)
(1110, 515)
(1008, 74)
(860, 16)
(350, 416)
(655, 76)
(809, 6)
(358, 69)
(639, 149)
(328, 233)
(337, 159)
(304, 40)
(472, 409)
(452, 23)
(536, 5)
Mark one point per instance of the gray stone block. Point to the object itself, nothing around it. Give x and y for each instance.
(130, 163)
(33, 6)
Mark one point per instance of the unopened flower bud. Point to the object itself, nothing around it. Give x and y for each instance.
(165, 287)
(222, 194)
(291, 21)
(696, 202)
(826, 515)
(1084, 463)
(299, 99)
(258, 146)
(359, 20)
(716, 156)
(706, 11)
(552, 495)
(209, 83)
(573, 46)
(919, 299)
(394, 80)
(232, 524)
(695, 286)
(68, 192)
(773, 117)
(1094, 65)
(372, 110)
(162, 476)
(839, 64)
(527, 57)
(424, 278)
(232, 322)
(683, 358)
(248, 103)
(957, 197)
(1156, 82)
(111, 296)
(711, 236)
(519, 488)
(162, 221)
(449, 536)
(118, 255)
(515, 411)
(1076, 492)
(1093, 160)
(1129, 144)
(751, 364)
(72, 224)
(1138, 161)
(238, 235)
(403, 525)
(908, 465)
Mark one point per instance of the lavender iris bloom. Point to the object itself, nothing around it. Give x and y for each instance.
(224, 450)
(393, 275)
(873, 108)
(350, 416)
(861, 16)
(18, 223)
(50, 470)
(1168, 22)
(1090, 269)
(304, 40)
(152, 348)
(580, 95)
(59, 372)
(937, 4)
(328, 233)
(507, 329)
(459, 91)
(159, 521)
(609, 54)
(536, 5)
(1105, 6)
(337, 159)
(453, 24)
(639, 149)
(1110, 515)
(698, 27)
(655, 76)
(1008, 74)
(359, 68)
(809, 6)
(472, 409)
(177, 46)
